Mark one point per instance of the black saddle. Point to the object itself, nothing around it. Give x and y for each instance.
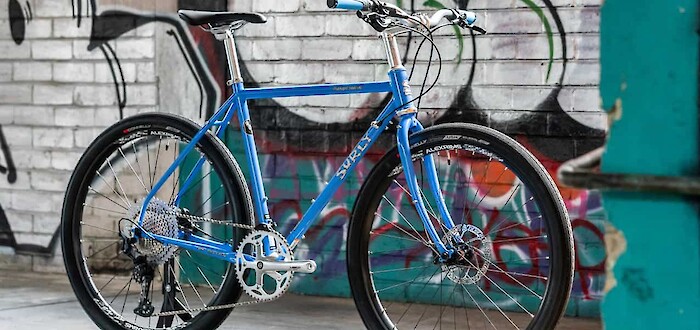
(196, 17)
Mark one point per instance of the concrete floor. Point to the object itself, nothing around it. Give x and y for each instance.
(41, 301)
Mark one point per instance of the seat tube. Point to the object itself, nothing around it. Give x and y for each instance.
(241, 104)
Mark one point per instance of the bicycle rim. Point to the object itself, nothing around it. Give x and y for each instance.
(111, 183)
(511, 226)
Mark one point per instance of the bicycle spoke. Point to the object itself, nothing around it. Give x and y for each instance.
(478, 306)
(439, 289)
(155, 167)
(133, 170)
(112, 188)
(404, 218)
(407, 233)
(406, 282)
(194, 184)
(208, 199)
(215, 209)
(102, 249)
(514, 225)
(116, 177)
(103, 209)
(466, 199)
(398, 269)
(202, 273)
(442, 309)
(509, 274)
(499, 287)
(189, 281)
(111, 200)
(519, 239)
(100, 228)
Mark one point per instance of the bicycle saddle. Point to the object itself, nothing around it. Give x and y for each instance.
(197, 17)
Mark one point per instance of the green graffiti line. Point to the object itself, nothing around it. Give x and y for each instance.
(530, 3)
(548, 29)
(458, 32)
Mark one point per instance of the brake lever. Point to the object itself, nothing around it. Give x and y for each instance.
(478, 29)
(462, 23)
(376, 21)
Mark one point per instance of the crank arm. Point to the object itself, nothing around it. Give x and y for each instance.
(301, 266)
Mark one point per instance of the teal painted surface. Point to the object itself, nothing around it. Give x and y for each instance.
(649, 58)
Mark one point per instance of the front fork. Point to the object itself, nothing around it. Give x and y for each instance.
(408, 124)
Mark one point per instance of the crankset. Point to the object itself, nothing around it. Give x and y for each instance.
(265, 265)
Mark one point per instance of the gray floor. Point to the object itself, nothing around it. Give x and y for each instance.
(40, 301)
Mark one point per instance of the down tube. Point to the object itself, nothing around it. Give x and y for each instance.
(341, 174)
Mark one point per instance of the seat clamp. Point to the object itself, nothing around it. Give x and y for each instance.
(406, 111)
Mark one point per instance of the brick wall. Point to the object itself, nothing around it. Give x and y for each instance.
(64, 77)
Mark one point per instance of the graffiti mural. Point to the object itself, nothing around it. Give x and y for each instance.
(480, 71)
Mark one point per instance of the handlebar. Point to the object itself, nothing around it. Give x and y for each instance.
(460, 17)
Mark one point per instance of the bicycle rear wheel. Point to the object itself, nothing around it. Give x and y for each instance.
(515, 266)
(120, 283)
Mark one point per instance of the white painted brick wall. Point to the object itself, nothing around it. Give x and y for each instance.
(56, 96)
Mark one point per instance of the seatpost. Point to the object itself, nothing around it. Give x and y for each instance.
(232, 57)
(392, 50)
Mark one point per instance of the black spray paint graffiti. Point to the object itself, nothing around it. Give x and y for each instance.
(8, 171)
(7, 237)
(20, 16)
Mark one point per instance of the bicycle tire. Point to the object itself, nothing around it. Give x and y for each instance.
(370, 228)
(78, 224)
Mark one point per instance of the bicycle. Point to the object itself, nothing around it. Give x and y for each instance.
(485, 217)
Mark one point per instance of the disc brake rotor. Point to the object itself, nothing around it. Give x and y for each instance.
(473, 254)
(261, 284)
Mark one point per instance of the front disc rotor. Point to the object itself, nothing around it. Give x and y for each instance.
(473, 254)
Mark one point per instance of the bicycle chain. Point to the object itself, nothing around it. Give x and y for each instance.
(216, 307)
(214, 221)
(211, 308)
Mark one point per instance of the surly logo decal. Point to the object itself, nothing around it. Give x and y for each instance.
(354, 155)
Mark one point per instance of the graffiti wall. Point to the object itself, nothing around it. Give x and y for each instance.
(70, 68)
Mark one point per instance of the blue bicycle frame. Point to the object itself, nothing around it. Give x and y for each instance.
(400, 106)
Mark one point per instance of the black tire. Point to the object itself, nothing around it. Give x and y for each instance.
(87, 224)
(389, 296)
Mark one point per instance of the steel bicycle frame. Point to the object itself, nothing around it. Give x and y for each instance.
(400, 106)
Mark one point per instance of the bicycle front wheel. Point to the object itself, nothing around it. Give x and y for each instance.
(513, 264)
(121, 283)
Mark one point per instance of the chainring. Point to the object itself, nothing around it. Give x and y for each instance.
(263, 285)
